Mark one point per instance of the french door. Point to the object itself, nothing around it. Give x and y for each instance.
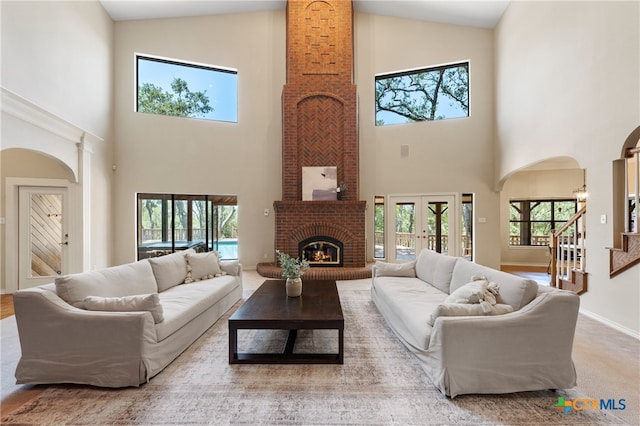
(423, 221)
(44, 236)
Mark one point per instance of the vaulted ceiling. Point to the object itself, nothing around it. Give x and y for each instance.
(476, 13)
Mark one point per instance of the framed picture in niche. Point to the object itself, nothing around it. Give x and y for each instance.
(319, 183)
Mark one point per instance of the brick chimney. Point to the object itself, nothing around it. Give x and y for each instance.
(319, 114)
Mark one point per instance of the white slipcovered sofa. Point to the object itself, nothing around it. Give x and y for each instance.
(122, 325)
(519, 340)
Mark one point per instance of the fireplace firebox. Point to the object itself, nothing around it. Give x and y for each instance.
(321, 251)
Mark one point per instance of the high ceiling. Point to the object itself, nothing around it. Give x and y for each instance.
(476, 13)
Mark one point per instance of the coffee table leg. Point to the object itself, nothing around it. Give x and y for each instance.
(291, 342)
(233, 343)
(341, 345)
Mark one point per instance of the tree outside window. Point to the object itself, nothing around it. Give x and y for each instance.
(182, 89)
(435, 93)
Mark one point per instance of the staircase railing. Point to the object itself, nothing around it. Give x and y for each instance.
(569, 254)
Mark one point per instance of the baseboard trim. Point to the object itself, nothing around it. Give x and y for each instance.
(508, 267)
(609, 323)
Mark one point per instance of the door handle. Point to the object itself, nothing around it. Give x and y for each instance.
(66, 243)
(66, 240)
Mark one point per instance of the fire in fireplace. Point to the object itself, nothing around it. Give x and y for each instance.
(321, 251)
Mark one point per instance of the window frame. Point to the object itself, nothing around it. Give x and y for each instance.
(181, 63)
(465, 63)
(168, 225)
(553, 223)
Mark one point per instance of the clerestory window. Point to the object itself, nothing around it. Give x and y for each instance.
(434, 93)
(184, 89)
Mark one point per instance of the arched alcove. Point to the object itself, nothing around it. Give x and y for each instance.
(556, 178)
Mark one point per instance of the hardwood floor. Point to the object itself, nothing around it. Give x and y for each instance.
(6, 306)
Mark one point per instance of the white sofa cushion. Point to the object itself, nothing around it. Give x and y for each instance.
(139, 302)
(202, 266)
(411, 300)
(170, 270)
(117, 281)
(515, 291)
(462, 309)
(385, 269)
(183, 303)
(435, 269)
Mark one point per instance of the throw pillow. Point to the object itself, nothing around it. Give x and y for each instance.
(472, 292)
(170, 270)
(138, 302)
(460, 309)
(203, 266)
(385, 269)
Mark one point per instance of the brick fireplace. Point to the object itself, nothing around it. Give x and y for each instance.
(319, 120)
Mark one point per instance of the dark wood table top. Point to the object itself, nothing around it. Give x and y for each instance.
(317, 307)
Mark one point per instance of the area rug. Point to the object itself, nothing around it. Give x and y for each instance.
(380, 383)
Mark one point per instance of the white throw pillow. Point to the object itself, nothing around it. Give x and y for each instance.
(203, 266)
(138, 302)
(462, 309)
(170, 270)
(385, 269)
(472, 292)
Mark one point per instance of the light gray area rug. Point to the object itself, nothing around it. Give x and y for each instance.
(380, 383)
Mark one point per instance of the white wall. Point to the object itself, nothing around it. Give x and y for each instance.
(58, 56)
(568, 85)
(444, 156)
(190, 156)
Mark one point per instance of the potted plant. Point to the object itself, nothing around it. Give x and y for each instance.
(341, 191)
(292, 270)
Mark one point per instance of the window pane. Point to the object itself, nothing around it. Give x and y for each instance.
(429, 94)
(167, 87)
(378, 225)
(226, 239)
(198, 220)
(515, 210)
(405, 236)
(151, 220)
(467, 226)
(540, 233)
(563, 210)
(541, 210)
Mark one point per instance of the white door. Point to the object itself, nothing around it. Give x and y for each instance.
(424, 221)
(44, 239)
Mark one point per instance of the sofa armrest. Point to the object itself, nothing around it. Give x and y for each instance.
(231, 267)
(54, 336)
(533, 342)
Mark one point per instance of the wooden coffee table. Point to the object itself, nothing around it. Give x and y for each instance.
(269, 308)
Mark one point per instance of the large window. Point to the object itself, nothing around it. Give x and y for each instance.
(170, 87)
(172, 222)
(531, 221)
(434, 93)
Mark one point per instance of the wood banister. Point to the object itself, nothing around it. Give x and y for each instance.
(570, 221)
